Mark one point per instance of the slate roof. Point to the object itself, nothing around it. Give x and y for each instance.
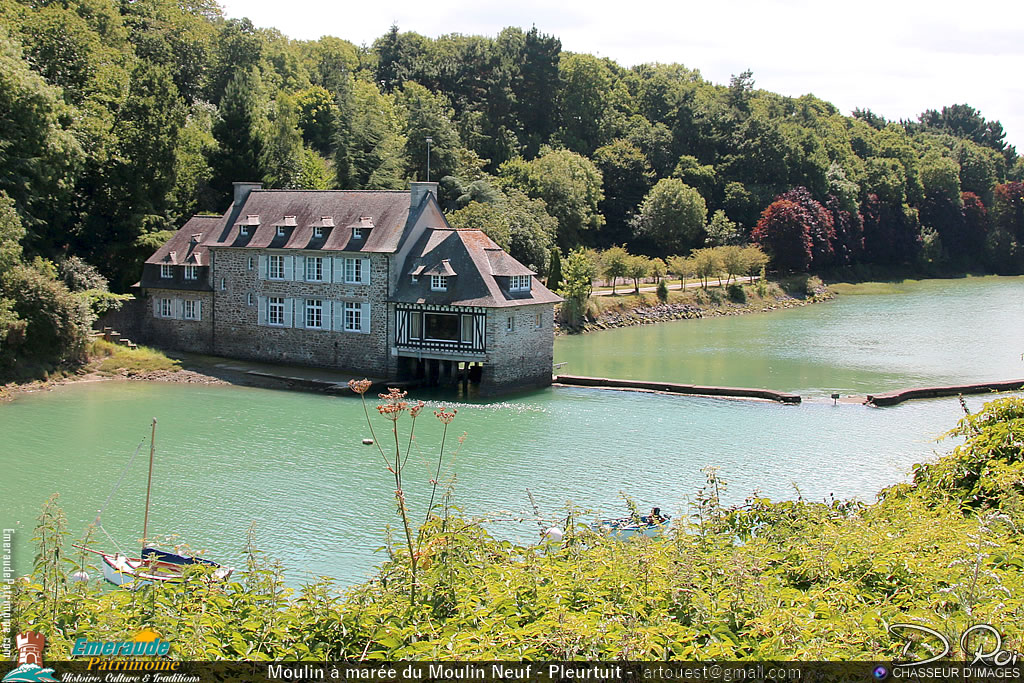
(181, 250)
(382, 214)
(481, 273)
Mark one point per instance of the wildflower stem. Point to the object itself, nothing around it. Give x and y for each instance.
(437, 475)
(372, 434)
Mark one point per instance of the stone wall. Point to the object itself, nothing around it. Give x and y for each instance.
(178, 334)
(238, 334)
(521, 358)
(129, 320)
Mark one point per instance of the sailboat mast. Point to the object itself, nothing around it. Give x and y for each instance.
(149, 483)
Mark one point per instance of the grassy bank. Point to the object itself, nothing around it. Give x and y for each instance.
(103, 360)
(107, 358)
(765, 580)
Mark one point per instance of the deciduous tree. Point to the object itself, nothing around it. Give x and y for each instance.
(672, 215)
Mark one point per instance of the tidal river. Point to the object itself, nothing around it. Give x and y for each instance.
(293, 464)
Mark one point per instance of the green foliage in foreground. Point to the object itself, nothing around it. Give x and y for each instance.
(793, 579)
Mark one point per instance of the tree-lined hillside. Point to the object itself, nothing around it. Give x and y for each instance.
(120, 119)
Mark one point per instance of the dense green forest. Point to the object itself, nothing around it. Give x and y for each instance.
(120, 119)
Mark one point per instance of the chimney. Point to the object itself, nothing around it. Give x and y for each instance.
(417, 191)
(242, 191)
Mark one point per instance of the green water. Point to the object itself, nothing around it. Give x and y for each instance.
(922, 333)
(293, 464)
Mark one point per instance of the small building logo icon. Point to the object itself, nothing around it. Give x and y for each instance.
(30, 660)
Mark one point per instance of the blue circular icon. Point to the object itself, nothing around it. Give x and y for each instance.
(880, 673)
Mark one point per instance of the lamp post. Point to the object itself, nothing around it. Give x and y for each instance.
(429, 141)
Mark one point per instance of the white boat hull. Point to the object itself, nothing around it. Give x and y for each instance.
(627, 528)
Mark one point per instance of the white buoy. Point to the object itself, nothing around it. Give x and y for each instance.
(367, 442)
(80, 576)
(553, 534)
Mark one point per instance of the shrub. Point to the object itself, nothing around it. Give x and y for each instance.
(736, 293)
(662, 291)
(56, 320)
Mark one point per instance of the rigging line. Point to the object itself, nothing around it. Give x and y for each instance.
(124, 473)
(116, 545)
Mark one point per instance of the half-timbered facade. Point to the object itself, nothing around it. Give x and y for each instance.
(374, 282)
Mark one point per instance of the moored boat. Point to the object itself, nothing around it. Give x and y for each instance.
(154, 565)
(646, 525)
(157, 566)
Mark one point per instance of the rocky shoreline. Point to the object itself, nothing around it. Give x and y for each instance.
(658, 313)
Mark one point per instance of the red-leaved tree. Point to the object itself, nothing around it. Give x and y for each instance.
(1008, 209)
(820, 226)
(783, 232)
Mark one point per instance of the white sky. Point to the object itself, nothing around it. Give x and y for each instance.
(895, 57)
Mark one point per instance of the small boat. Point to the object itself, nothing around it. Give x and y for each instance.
(157, 566)
(154, 565)
(649, 525)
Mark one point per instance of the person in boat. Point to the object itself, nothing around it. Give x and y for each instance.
(655, 517)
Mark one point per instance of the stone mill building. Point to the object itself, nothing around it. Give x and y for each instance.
(371, 282)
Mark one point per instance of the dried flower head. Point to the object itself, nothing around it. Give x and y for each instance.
(415, 410)
(444, 417)
(359, 386)
(394, 404)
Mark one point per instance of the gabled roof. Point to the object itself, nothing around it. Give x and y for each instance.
(381, 213)
(469, 254)
(181, 249)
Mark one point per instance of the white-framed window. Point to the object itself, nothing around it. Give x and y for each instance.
(165, 271)
(251, 262)
(276, 267)
(415, 325)
(191, 272)
(281, 232)
(275, 310)
(510, 324)
(314, 269)
(223, 284)
(315, 313)
(353, 316)
(191, 310)
(248, 299)
(438, 283)
(357, 233)
(243, 230)
(467, 329)
(353, 271)
(166, 308)
(318, 232)
(518, 283)
(538, 321)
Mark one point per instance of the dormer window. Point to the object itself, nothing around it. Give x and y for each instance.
(318, 232)
(519, 283)
(281, 231)
(438, 283)
(243, 230)
(165, 271)
(357, 233)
